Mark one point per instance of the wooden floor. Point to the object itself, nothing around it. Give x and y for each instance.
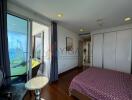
(59, 89)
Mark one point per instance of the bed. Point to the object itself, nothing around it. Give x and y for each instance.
(101, 84)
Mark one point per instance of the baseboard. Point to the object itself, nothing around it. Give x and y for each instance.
(63, 73)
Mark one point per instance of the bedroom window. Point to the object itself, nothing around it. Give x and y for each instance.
(17, 43)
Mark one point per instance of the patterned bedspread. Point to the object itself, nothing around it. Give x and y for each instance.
(102, 84)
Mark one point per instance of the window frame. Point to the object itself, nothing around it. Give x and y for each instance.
(29, 40)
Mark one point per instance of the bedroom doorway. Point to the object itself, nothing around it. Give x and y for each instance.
(85, 50)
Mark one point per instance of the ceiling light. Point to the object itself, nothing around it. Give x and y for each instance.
(127, 19)
(81, 30)
(60, 15)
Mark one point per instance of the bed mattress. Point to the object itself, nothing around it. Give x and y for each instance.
(103, 84)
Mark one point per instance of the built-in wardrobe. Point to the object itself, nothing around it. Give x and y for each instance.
(113, 50)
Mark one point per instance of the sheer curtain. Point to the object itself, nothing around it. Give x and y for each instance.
(47, 52)
(46, 65)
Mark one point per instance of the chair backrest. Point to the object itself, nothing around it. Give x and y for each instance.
(35, 70)
(1, 77)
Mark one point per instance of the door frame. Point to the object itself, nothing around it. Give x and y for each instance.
(29, 41)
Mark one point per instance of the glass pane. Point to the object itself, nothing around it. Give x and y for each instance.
(17, 41)
(38, 46)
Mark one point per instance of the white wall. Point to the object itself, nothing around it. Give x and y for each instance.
(67, 60)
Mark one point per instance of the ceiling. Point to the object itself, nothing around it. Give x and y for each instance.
(38, 28)
(87, 14)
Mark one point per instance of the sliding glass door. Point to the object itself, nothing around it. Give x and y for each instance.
(18, 44)
(25, 36)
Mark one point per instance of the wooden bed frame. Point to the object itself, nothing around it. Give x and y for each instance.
(79, 95)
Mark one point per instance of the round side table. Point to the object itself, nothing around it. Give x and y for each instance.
(36, 84)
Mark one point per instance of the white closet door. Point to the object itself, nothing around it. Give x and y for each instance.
(123, 51)
(109, 50)
(97, 50)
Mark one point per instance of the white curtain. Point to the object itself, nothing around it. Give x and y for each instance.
(45, 68)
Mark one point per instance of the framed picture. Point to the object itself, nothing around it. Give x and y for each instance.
(69, 44)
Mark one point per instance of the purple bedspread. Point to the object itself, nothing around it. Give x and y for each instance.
(102, 84)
